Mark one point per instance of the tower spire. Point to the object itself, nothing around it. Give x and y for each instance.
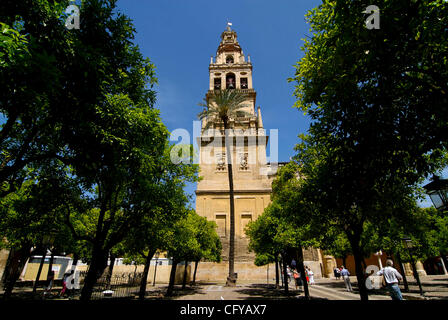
(229, 24)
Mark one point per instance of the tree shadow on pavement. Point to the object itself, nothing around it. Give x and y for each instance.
(265, 291)
(431, 288)
(160, 292)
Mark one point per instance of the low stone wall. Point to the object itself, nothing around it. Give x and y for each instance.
(206, 272)
(162, 273)
(33, 268)
(218, 272)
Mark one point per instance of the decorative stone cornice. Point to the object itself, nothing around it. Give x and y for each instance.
(249, 92)
(205, 192)
(231, 66)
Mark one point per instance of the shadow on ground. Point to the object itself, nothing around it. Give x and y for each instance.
(268, 291)
(431, 289)
(160, 292)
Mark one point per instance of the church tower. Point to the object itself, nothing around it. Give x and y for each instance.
(252, 175)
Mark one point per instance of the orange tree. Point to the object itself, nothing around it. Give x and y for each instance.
(377, 100)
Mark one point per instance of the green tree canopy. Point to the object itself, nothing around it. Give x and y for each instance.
(376, 99)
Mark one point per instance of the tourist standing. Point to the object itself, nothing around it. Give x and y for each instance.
(311, 276)
(293, 264)
(392, 277)
(289, 274)
(298, 280)
(64, 284)
(49, 284)
(337, 273)
(346, 276)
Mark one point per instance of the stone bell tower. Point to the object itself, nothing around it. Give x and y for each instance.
(252, 175)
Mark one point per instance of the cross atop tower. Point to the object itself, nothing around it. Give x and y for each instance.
(229, 24)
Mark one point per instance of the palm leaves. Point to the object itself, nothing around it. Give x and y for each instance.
(222, 106)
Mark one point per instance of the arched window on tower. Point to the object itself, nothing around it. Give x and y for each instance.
(230, 81)
(229, 59)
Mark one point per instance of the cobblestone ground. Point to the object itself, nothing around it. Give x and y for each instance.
(434, 287)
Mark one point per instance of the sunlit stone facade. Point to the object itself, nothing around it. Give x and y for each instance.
(252, 174)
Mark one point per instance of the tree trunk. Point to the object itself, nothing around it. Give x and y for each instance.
(364, 265)
(277, 280)
(143, 283)
(285, 274)
(299, 259)
(39, 271)
(358, 256)
(267, 276)
(403, 273)
(110, 271)
(195, 269)
(96, 268)
(415, 273)
(184, 281)
(231, 280)
(281, 272)
(172, 278)
(50, 264)
(155, 272)
(75, 261)
(16, 262)
(344, 260)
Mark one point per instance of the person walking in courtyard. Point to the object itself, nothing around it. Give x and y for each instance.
(310, 275)
(64, 284)
(337, 273)
(293, 264)
(392, 277)
(49, 283)
(298, 280)
(346, 276)
(288, 274)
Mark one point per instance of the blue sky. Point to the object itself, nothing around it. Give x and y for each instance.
(180, 36)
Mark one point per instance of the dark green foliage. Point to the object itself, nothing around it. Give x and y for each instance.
(377, 100)
(80, 105)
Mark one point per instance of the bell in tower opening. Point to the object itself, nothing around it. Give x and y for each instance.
(230, 81)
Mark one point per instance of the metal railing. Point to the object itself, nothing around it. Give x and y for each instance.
(120, 285)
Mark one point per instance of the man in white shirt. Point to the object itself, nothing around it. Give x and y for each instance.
(391, 276)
